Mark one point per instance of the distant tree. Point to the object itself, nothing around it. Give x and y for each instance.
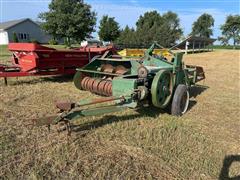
(53, 41)
(15, 38)
(149, 19)
(223, 40)
(203, 26)
(231, 30)
(172, 28)
(164, 29)
(146, 28)
(69, 19)
(109, 29)
(127, 37)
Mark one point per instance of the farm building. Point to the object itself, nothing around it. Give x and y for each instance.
(25, 29)
(194, 44)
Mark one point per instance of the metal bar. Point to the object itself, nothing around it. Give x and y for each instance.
(186, 47)
(193, 46)
(14, 74)
(97, 72)
(5, 81)
(98, 100)
(93, 112)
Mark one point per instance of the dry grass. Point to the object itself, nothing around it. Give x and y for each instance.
(130, 144)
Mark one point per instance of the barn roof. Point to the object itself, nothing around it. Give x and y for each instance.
(196, 40)
(9, 24)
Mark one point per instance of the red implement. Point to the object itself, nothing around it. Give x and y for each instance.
(31, 59)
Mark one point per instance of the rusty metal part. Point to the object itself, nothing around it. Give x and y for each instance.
(95, 85)
(120, 70)
(107, 89)
(98, 86)
(99, 100)
(101, 86)
(142, 72)
(65, 106)
(108, 68)
(84, 82)
(90, 85)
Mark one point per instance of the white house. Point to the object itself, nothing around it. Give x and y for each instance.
(25, 29)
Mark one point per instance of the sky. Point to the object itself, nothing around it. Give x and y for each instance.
(127, 12)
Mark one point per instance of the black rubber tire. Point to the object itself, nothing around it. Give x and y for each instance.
(180, 92)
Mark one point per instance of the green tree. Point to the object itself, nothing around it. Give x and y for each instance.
(231, 30)
(164, 29)
(203, 26)
(149, 19)
(147, 27)
(223, 40)
(172, 28)
(69, 19)
(127, 37)
(15, 38)
(109, 29)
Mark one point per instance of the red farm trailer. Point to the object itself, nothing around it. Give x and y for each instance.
(31, 59)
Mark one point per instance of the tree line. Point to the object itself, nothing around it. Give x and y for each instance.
(74, 21)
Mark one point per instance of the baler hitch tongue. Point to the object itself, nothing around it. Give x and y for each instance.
(67, 107)
(48, 120)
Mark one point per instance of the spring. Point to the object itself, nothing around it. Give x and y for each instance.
(97, 86)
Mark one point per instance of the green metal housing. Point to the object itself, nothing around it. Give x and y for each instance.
(131, 82)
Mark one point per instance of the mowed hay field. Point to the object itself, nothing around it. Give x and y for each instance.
(146, 143)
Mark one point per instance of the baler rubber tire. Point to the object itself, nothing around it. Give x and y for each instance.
(179, 93)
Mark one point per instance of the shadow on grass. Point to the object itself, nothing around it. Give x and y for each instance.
(150, 111)
(194, 92)
(36, 80)
(109, 119)
(59, 79)
(197, 90)
(227, 162)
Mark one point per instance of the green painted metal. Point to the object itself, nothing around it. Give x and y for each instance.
(76, 80)
(162, 78)
(93, 112)
(123, 86)
(162, 88)
(128, 89)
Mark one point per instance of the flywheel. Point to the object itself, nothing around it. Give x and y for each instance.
(162, 88)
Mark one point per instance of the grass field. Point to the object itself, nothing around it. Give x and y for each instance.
(132, 144)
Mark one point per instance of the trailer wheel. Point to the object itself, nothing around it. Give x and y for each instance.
(180, 100)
